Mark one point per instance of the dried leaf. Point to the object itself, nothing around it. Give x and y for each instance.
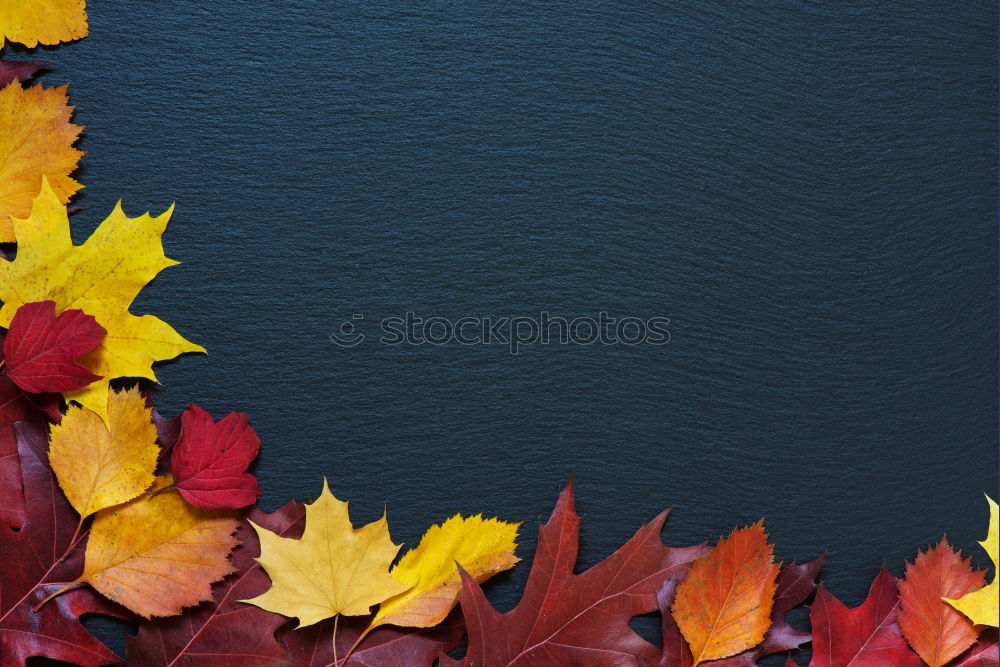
(19, 70)
(41, 348)
(32, 22)
(36, 141)
(224, 631)
(981, 606)
(566, 618)
(32, 570)
(100, 277)
(723, 607)
(795, 584)
(866, 636)
(157, 554)
(100, 465)
(937, 632)
(210, 460)
(332, 569)
(483, 547)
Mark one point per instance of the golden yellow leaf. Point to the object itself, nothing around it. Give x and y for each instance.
(100, 465)
(31, 22)
(333, 569)
(481, 546)
(36, 139)
(101, 278)
(157, 554)
(983, 606)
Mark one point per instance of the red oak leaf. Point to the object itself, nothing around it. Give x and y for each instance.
(934, 629)
(866, 636)
(32, 570)
(312, 646)
(41, 348)
(795, 584)
(224, 631)
(15, 406)
(984, 653)
(210, 460)
(567, 618)
(21, 70)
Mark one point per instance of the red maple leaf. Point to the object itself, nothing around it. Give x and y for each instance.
(33, 569)
(19, 70)
(41, 348)
(866, 636)
(210, 460)
(795, 584)
(224, 631)
(312, 646)
(567, 618)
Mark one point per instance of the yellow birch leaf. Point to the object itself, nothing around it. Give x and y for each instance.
(983, 606)
(101, 277)
(157, 554)
(333, 569)
(36, 139)
(100, 465)
(481, 546)
(34, 22)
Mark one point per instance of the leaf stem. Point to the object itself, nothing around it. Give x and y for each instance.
(69, 549)
(357, 642)
(62, 590)
(336, 619)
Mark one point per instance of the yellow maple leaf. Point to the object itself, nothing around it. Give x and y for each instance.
(333, 569)
(481, 546)
(101, 278)
(157, 554)
(36, 139)
(983, 606)
(100, 465)
(31, 22)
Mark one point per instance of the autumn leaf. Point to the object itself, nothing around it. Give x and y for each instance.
(483, 547)
(984, 653)
(387, 645)
(934, 630)
(19, 70)
(17, 405)
(157, 554)
(31, 22)
(100, 465)
(33, 567)
(867, 636)
(981, 606)
(210, 460)
(795, 583)
(568, 618)
(100, 277)
(332, 569)
(225, 631)
(41, 348)
(723, 607)
(36, 141)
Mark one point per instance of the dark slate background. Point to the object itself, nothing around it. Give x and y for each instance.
(807, 192)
